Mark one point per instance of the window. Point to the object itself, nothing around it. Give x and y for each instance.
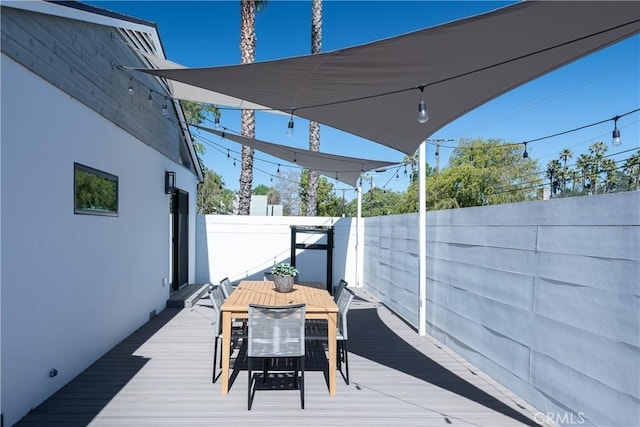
(95, 192)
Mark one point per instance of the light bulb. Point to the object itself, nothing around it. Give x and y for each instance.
(616, 137)
(616, 132)
(164, 108)
(423, 116)
(290, 127)
(216, 122)
(130, 86)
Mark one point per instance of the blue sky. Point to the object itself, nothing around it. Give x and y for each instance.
(207, 33)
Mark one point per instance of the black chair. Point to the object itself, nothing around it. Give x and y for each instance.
(276, 332)
(318, 330)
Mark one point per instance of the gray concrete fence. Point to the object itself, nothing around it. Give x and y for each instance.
(542, 296)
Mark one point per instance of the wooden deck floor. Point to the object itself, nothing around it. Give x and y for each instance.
(161, 375)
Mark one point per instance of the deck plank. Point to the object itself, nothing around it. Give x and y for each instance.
(161, 375)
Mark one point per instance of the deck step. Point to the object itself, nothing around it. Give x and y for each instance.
(187, 296)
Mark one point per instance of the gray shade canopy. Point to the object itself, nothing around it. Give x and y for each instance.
(190, 92)
(373, 90)
(342, 168)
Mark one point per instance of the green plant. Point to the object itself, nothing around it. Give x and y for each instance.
(284, 269)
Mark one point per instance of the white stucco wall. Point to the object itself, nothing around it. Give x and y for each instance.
(241, 247)
(73, 286)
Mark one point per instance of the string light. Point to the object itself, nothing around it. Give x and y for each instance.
(149, 98)
(164, 107)
(295, 160)
(423, 116)
(216, 122)
(616, 132)
(130, 86)
(290, 126)
(228, 155)
(278, 171)
(525, 155)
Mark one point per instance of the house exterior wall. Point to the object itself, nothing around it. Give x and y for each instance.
(245, 247)
(73, 286)
(82, 59)
(542, 296)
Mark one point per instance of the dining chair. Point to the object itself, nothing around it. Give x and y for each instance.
(276, 332)
(336, 293)
(342, 334)
(318, 331)
(226, 286)
(237, 333)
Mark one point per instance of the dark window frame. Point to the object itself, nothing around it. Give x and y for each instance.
(100, 174)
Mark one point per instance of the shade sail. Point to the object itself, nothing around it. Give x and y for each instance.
(180, 90)
(372, 90)
(342, 168)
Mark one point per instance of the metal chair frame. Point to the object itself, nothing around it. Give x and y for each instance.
(217, 299)
(317, 331)
(276, 332)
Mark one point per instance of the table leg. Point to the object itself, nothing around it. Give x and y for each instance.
(226, 351)
(333, 353)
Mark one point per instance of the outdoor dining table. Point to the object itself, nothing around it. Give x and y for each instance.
(320, 305)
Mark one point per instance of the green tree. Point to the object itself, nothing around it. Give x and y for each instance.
(248, 9)
(327, 203)
(483, 172)
(632, 169)
(584, 165)
(213, 197)
(597, 150)
(261, 190)
(314, 127)
(565, 171)
(273, 196)
(612, 180)
(377, 202)
(409, 201)
(553, 173)
(195, 113)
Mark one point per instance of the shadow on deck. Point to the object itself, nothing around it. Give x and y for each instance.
(161, 375)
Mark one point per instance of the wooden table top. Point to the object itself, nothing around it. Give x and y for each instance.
(263, 292)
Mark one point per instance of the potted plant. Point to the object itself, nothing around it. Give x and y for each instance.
(283, 275)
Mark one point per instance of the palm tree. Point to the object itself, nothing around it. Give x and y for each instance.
(611, 177)
(248, 9)
(565, 155)
(553, 169)
(597, 151)
(583, 164)
(314, 127)
(632, 169)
